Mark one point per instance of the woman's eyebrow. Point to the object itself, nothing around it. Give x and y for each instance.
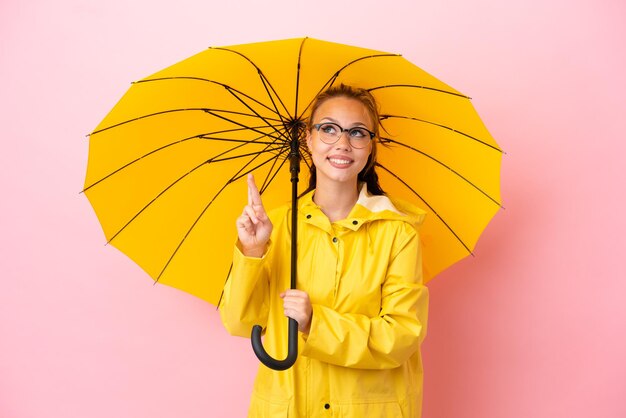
(337, 122)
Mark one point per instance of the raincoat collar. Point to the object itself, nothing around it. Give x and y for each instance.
(368, 208)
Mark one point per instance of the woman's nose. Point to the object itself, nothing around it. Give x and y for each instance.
(344, 140)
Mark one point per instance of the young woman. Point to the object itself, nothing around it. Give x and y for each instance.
(360, 303)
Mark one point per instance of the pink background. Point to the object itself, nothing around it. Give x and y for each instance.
(533, 326)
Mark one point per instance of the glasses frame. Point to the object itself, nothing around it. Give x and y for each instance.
(317, 127)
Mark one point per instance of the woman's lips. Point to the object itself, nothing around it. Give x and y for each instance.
(340, 161)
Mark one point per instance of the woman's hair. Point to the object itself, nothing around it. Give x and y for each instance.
(368, 174)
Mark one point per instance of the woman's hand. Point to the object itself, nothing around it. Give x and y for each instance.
(297, 305)
(253, 226)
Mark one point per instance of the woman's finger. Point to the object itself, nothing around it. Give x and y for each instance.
(296, 293)
(297, 305)
(243, 222)
(251, 213)
(254, 197)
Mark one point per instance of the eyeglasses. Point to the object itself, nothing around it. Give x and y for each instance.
(331, 132)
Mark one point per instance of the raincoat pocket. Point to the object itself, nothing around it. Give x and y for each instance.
(264, 408)
(389, 409)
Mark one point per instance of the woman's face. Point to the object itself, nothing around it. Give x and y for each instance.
(339, 162)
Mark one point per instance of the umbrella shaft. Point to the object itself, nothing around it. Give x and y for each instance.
(294, 168)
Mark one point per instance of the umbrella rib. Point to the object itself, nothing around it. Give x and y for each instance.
(257, 115)
(267, 181)
(271, 175)
(232, 179)
(226, 86)
(281, 134)
(244, 141)
(240, 174)
(191, 109)
(262, 76)
(177, 142)
(443, 165)
(416, 86)
(271, 97)
(305, 155)
(384, 117)
(295, 112)
(222, 293)
(334, 77)
(429, 206)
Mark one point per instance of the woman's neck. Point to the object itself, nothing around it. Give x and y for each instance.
(336, 200)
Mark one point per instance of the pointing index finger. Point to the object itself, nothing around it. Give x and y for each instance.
(254, 197)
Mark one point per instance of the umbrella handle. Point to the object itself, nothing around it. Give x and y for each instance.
(272, 363)
(292, 340)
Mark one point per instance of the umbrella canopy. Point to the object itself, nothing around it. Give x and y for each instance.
(164, 164)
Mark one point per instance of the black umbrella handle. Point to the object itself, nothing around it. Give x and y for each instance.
(269, 361)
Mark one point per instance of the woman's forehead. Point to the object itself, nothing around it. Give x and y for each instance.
(344, 109)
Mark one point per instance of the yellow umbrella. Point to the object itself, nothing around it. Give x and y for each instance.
(164, 164)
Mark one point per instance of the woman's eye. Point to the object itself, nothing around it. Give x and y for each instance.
(357, 133)
(329, 129)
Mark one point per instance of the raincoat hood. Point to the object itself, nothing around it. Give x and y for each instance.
(368, 208)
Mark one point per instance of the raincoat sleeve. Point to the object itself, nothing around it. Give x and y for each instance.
(384, 341)
(245, 301)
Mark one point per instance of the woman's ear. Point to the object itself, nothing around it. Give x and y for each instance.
(308, 139)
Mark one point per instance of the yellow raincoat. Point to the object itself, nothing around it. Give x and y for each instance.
(361, 357)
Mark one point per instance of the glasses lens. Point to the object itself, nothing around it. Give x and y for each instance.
(359, 137)
(329, 132)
